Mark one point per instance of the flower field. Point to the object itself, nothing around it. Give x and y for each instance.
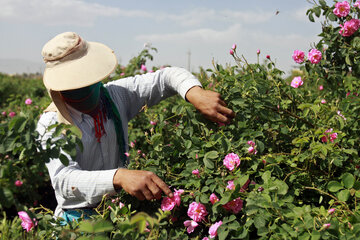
(286, 167)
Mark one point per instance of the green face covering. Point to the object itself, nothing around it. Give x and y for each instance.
(85, 99)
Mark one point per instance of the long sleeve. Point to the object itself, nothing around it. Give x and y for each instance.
(151, 88)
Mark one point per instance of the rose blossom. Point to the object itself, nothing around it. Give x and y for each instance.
(234, 206)
(234, 46)
(213, 229)
(213, 198)
(332, 136)
(231, 52)
(231, 161)
(349, 27)
(205, 238)
(191, 225)
(28, 101)
(268, 57)
(298, 56)
(143, 67)
(197, 211)
(3, 113)
(196, 172)
(27, 223)
(326, 225)
(342, 9)
(230, 185)
(296, 82)
(18, 183)
(122, 74)
(251, 149)
(323, 101)
(357, 4)
(321, 87)
(339, 113)
(121, 205)
(12, 114)
(153, 123)
(314, 56)
(251, 143)
(331, 210)
(258, 51)
(167, 204)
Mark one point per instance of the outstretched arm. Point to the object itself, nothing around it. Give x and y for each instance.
(210, 104)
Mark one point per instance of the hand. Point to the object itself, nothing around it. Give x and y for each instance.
(210, 104)
(141, 184)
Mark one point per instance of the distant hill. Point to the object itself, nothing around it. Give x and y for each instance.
(20, 66)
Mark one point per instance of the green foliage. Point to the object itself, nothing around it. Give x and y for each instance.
(300, 170)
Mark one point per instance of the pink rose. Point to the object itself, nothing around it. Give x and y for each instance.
(143, 67)
(234, 206)
(296, 82)
(342, 9)
(197, 211)
(196, 172)
(12, 114)
(27, 223)
(343, 117)
(350, 27)
(323, 101)
(28, 101)
(357, 4)
(191, 225)
(251, 143)
(18, 183)
(332, 136)
(326, 225)
(234, 46)
(258, 51)
(127, 154)
(298, 56)
(321, 87)
(205, 238)
(251, 149)
(230, 185)
(3, 113)
(268, 57)
(314, 56)
(167, 204)
(122, 74)
(331, 210)
(231, 161)
(213, 198)
(231, 52)
(121, 205)
(153, 123)
(213, 229)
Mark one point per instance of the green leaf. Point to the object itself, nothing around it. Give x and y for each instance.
(317, 11)
(64, 159)
(344, 195)
(211, 155)
(103, 226)
(322, 3)
(208, 163)
(334, 186)
(348, 180)
(86, 226)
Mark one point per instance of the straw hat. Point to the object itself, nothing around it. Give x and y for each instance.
(72, 63)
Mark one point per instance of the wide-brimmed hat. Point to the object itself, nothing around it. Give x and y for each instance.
(72, 63)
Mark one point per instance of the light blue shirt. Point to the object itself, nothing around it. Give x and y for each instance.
(88, 177)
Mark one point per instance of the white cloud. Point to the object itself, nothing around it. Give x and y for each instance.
(54, 12)
(82, 13)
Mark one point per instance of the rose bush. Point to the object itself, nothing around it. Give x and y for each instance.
(287, 166)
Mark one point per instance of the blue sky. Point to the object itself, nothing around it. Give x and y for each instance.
(206, 28)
